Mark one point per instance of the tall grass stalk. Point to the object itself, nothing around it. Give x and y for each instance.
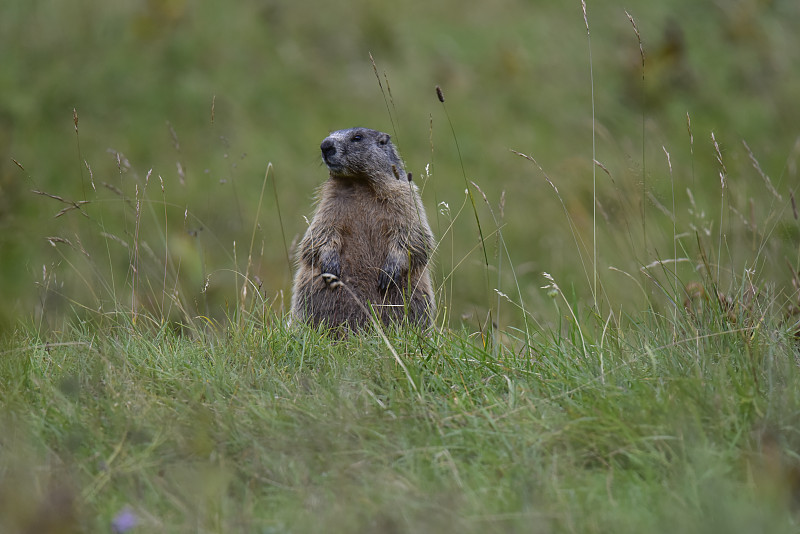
(594, 158)
(442, 208)
(674, 234)
(502, 250)
(280, 223)
(468, 191)
(579, 245)
(723, 173)
(79, 154)
(253, 240)
(644, 136)
(392, 116)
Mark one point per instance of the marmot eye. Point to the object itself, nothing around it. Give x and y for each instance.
(357, 137)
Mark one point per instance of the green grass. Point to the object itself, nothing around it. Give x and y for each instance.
(692, 427)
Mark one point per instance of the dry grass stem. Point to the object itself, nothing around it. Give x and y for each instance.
(585, 18)
(638, 38)
(385, 99)
(761, 173)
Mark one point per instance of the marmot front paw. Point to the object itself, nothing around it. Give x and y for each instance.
(331, 269)
(391, 275)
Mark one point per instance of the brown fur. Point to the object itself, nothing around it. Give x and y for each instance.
(369, 243)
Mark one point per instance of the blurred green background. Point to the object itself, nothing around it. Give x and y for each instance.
(207, 94)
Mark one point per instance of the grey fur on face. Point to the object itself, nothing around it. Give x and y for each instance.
(360, 152)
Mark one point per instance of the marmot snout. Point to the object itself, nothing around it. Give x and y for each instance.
(368, 246)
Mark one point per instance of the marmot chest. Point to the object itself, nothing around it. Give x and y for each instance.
(366, 226)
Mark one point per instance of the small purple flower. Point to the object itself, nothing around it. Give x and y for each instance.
(124, 521)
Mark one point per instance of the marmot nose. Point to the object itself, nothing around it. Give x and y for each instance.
(328, 148)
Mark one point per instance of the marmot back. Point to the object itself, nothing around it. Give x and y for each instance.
(369, 243)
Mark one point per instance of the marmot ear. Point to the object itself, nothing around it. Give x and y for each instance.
(383, 139)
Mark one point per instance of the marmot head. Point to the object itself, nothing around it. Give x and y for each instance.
(362, 153)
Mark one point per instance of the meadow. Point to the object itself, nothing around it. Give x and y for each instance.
(613, 193)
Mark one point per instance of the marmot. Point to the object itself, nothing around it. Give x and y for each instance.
(369, 243)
